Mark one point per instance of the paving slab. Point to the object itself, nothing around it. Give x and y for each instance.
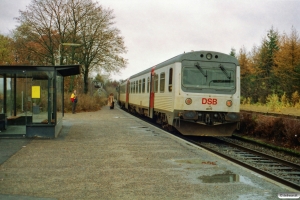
(110, 154)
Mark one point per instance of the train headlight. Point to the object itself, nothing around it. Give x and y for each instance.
(208, 56)
(188, 101)
(229, 103)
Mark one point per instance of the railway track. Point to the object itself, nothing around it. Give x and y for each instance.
(282, 171)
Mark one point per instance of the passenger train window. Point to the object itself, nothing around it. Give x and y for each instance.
(136, 86)
(148, 85)
(140, 86)
(170, 79)
(143, 86)
(128, 88)
(162, 82)
(155, 83)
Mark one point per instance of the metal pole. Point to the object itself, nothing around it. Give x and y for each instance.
(59, 54)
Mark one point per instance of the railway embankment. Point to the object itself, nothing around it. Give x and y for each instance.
(280, 130)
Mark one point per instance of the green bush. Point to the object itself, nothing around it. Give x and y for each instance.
(284, 100)
(295, 98)
(273, 102)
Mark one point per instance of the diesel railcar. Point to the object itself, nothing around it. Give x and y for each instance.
(198, 93)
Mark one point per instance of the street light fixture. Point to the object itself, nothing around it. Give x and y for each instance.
(65, 44)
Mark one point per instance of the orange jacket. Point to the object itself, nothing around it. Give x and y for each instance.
(73, 97)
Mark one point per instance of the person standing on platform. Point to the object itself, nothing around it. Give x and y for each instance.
(74, 101)
(111, 101)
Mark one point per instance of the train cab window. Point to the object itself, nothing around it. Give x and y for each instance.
(155, 83)
(170, 79)
(148, 85)
(143, 86)
(140, 85)
(162, 82)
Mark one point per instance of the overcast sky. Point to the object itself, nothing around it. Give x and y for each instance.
(156, 30)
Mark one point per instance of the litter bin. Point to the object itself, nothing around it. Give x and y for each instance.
(35, 109)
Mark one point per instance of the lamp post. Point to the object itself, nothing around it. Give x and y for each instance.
(58, 63)
(65, 44)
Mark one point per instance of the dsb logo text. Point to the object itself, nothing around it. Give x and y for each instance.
(209, 101)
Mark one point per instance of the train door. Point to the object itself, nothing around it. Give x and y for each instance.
(151, 96)
(127, 94)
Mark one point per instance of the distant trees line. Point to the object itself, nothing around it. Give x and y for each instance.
(273, 68)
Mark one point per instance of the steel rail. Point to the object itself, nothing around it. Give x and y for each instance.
(294, 165)
(255, 169)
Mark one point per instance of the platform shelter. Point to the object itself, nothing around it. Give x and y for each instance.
(32, 100)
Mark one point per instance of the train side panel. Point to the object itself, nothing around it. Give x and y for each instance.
(164, 96)
(138, 98)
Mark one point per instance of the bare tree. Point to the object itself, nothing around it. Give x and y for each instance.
(101, 42)
(49, 24)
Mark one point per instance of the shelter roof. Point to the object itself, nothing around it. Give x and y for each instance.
(64, 70)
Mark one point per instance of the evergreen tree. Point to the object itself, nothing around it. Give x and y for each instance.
(267, 81)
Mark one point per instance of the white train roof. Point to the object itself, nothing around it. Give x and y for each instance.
(190, 56)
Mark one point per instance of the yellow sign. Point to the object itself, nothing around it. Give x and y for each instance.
(36, 92)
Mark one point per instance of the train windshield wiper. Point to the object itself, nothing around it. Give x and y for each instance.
(200, 69)
(225, 72)
(220, 81)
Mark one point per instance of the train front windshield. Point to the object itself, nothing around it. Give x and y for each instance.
(209, 77)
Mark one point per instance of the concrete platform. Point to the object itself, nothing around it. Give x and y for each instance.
(110, 154)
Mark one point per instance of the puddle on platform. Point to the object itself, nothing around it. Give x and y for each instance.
(226, 177)
(138, 127)
(248, 181)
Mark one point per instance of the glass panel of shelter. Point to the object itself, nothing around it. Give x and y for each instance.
(40, 97)
(59, 98)
(29, 100)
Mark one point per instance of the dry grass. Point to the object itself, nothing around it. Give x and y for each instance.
(280, 131)
(86, 103)
(283, 132)
(266, 109)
